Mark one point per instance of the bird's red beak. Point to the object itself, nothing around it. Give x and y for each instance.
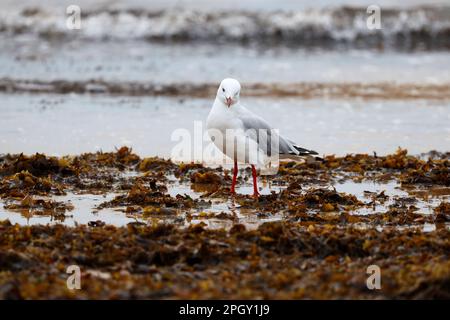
(229, 102)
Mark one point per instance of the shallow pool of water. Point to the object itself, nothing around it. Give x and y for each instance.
(86, 206)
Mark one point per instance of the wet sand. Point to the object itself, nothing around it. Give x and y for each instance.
(97, 122)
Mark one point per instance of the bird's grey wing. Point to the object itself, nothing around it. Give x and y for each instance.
(260, 131)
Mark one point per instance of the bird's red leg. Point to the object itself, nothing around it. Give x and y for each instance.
(235, 172)
(255, 185)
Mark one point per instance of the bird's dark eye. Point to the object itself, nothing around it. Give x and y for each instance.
(223, 89)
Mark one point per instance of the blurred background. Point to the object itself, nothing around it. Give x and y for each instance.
(137, 70)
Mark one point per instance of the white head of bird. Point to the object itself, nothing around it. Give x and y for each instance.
(228, 92)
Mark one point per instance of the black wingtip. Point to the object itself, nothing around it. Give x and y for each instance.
(305, 152)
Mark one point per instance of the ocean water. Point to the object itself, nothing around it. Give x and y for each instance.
(148, 62)
(184, 44)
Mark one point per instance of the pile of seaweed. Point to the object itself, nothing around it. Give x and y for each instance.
(320, 249)
(28, 183)
(279, 260)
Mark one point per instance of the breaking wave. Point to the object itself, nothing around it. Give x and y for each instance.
(423, 27)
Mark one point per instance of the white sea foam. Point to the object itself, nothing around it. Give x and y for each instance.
(309, 26)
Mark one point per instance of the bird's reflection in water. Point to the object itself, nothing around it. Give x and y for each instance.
(232, 207)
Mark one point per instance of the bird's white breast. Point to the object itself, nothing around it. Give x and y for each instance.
(221, 118)
(227, 132)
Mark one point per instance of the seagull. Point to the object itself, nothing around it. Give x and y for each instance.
(244, 136)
